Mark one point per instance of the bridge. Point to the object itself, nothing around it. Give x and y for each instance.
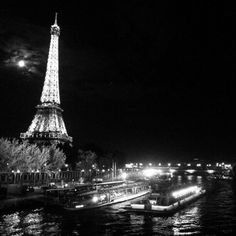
(186, 168)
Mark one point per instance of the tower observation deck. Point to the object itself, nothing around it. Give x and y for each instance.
(48, 125)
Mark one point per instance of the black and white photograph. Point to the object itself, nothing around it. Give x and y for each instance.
(117, 118)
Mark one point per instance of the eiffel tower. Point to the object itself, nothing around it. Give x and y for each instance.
(47, 126)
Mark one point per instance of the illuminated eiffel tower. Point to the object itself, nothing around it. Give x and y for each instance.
(47, 126)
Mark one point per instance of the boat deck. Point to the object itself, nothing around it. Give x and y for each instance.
(164, 210)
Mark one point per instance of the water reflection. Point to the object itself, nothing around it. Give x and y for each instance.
(186, 221)
(179, 179)
(32, 223)
(199, 179)
(11, 224)
(190, 178)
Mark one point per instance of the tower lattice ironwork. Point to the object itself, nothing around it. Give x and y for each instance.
(48, 125)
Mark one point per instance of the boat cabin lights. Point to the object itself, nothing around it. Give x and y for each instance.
(95, 199)
(182, 192)
(102, 197)
(79, 206)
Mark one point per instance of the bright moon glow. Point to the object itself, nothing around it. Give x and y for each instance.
(21, 63)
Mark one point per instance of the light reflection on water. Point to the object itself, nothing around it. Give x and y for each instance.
(27, 223)
(189, 222)
(213, 214)
(11, 222)
(189, 178)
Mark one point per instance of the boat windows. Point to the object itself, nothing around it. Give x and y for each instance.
(129, 191)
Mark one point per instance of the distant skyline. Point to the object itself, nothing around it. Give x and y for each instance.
(149, 79)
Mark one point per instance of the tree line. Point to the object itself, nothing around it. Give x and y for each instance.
(23, 156)
(20, 155)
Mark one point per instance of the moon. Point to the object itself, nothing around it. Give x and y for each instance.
(21, 63)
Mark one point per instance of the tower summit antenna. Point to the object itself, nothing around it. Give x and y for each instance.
(55, 18)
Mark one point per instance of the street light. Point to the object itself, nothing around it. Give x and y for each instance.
(124, 175)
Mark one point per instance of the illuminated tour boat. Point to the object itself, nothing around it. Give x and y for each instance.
(105, 194)
(165, 204)
(59, 196)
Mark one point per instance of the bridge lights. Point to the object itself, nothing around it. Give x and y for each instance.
(191, 171)
(149, 172)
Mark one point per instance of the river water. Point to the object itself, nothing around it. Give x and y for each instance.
(213, 214)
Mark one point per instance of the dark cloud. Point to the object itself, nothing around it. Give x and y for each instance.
(22, 41)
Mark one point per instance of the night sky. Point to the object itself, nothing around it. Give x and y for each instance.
(152, 79)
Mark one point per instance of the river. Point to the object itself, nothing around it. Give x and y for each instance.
(213, 214)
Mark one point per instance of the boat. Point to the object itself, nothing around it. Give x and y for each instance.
(59, 196)
(107, 194)
(166, 204)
